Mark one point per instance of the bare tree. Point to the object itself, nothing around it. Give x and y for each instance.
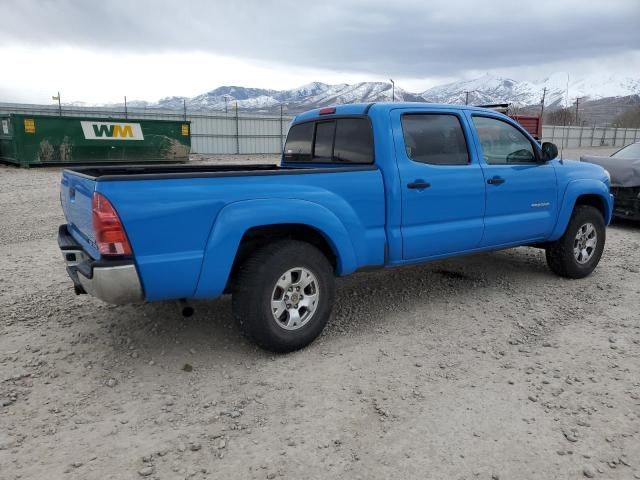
(560, 116)
(628, 119)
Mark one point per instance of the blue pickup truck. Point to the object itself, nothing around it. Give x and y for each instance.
(359, 186)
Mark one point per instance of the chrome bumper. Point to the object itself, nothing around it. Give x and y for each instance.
(113, 284)
(114, 281)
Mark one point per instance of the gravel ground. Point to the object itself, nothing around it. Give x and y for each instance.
(482, 367)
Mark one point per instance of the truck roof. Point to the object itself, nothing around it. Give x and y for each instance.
(363, 108)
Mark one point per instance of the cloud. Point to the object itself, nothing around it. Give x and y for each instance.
(411, 39)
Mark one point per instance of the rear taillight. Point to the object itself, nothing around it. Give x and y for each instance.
(110, 236)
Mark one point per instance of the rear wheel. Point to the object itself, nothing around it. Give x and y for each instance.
(284, 295)
(577, 253)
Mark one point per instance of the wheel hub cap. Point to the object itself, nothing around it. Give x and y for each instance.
(294, 299)
(584, 245)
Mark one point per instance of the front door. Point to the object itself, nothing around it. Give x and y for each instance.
(521, 189)
(441, 183)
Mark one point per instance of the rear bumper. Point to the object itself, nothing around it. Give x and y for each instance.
(112, 281)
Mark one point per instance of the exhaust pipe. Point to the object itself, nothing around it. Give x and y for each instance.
(185, 308)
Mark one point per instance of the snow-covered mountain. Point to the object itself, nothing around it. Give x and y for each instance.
(482, 90)
(307, 96)
(494, 89)
(602, 85)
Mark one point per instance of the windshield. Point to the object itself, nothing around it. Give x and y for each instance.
(629, 152)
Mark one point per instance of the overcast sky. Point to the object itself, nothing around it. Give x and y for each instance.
(98, 51)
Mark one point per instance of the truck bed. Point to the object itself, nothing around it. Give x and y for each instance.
(176, 215)
(155, 172)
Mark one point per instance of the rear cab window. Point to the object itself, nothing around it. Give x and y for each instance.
(323, 145)
(335, 141)
(298, 145)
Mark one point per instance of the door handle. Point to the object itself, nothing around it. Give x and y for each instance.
(496, 181)
(418, 184)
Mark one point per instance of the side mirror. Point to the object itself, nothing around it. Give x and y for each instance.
(549, 151)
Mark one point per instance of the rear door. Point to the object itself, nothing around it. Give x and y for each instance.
(441, 183)
(522, 203)
(76, 195)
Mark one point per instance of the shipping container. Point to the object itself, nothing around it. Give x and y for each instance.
(29, 140)
(531, 123)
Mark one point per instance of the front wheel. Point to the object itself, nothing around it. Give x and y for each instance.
(577, 253)
(284, 295)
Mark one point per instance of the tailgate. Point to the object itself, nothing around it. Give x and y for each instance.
(76, 193)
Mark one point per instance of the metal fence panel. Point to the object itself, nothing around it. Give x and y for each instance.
(230, 133)
(576, 137)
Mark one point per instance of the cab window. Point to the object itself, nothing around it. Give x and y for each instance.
(354, 141)
(323, 145)
(342, 140)
(436, 139)
(298, 145)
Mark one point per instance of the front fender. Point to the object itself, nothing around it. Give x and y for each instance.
(236, 218)
(575, 189)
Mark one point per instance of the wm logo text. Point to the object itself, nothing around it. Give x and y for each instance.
(111, 131)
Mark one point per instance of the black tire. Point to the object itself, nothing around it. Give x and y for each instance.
(560, 254)
(254, 289)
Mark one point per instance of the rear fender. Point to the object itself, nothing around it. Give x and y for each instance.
(574, 190)
(235, 219)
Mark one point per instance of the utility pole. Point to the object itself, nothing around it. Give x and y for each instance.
(393, 90)
(237, 131)
(59, 103)
(281, 122)
(125, 107)
(466, 98)
(184, 107)
(544, 94)
(226, 99)
(577, 107)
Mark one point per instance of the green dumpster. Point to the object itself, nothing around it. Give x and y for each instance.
(49, 140)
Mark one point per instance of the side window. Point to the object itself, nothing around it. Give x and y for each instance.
(354, 141)
(436, 139)
(298, 145)
(503, 143)
(323, 148)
